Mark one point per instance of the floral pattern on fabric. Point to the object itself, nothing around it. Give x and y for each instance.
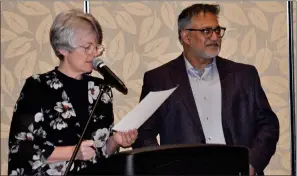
(44, 118)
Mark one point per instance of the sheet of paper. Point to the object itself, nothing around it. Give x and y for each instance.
(135, 118)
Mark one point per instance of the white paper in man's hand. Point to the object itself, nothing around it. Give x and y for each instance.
(135, 118)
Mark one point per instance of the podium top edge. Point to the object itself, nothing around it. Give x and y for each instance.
(185, 146)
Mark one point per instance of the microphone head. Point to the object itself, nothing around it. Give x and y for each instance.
(109, 76)
(96, 62)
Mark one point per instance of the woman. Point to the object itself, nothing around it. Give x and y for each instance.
(53, 107)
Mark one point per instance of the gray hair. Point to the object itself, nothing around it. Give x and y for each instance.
(185, 17)
(62, 32)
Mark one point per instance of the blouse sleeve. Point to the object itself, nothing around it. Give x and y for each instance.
(28, 145)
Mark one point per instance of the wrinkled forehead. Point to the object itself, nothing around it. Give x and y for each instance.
(202, 20)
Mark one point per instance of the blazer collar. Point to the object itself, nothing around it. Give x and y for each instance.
(227, 87)
(224, 68)
(178, 75)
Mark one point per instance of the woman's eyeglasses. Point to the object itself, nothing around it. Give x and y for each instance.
(91, 48)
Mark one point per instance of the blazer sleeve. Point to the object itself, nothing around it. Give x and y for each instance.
(267, 125)
(148, 132)
(28, 147)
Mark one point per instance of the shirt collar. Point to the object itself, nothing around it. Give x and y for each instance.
(196, 72)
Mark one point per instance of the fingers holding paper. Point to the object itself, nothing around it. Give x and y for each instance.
(125, 139)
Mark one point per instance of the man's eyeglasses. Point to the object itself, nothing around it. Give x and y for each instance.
(207, 32)
(91, 48)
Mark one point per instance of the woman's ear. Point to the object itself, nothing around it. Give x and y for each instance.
(64, 52)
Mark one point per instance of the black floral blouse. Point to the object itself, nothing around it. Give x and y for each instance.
(51, 111)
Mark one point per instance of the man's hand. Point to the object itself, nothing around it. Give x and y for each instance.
(125, 139)
(86, 150)
(252, 171)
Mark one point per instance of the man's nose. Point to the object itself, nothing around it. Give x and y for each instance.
(214, 36)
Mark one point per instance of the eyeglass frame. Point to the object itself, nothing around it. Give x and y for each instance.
(98, 46)
(212, 30)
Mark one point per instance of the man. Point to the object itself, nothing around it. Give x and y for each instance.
(217, 100)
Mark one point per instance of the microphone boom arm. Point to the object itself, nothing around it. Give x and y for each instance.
(82, 135)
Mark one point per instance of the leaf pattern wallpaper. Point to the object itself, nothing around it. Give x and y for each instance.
(141, 35)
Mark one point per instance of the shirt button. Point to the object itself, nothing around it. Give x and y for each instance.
(206, 118)
(209, 138)
(204, 98)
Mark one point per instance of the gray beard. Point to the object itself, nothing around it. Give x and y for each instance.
(211, 56)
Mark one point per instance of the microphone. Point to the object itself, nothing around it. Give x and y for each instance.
(109, 76)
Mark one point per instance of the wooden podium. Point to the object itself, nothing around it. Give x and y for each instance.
(176, 160)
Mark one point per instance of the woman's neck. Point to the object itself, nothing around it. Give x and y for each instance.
(67, 71)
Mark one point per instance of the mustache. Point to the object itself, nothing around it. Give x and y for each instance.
(217, 43)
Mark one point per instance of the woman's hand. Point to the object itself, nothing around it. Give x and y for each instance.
(64, 153)
(125, 139)
(86, 150)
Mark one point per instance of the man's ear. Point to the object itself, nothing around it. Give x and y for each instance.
(185, 36)
(64, 52)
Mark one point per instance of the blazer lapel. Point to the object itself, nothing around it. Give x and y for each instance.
(179, 77)
(227, 83)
